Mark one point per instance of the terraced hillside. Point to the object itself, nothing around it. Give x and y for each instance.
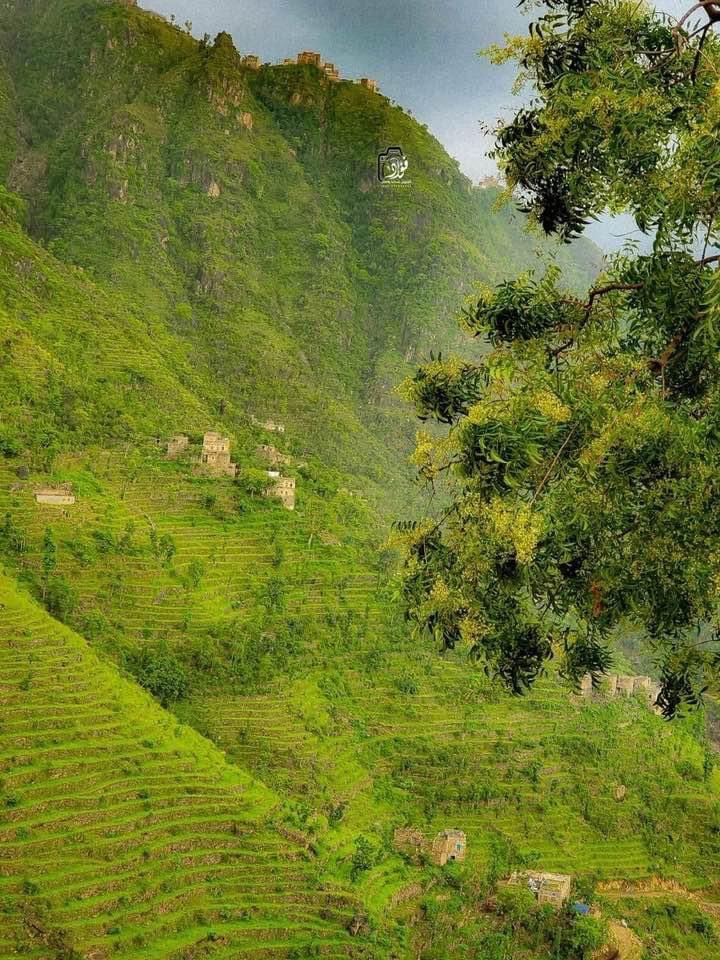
(188, 245)
(123, 832)
(154, 550)
(300, 669)
(395, 737)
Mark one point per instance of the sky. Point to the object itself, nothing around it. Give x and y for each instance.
(424, 53)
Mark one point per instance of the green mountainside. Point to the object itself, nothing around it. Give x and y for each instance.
(238, 210)
(188, 244)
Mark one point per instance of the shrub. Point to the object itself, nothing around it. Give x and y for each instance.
(159, 671)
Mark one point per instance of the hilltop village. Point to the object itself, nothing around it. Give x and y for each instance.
(313, 59)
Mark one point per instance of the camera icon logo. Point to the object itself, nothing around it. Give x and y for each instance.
(392, 165)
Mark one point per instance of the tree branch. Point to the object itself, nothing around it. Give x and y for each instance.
(611, 288)
(555, 459)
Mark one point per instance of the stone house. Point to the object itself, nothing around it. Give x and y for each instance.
(310, 57)
(622, 686)
(551, 888)
(332, 71)
(215, 456)
(251, 61)
(448, 845)
(283, 488)
(56, 496)
(371, 85)
(177, 445)
(273, 427)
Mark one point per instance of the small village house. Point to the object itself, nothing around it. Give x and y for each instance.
(449, 845)
(215, 455)
(55, 496)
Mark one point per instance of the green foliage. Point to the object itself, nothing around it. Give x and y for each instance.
(581, 475)
(158, 670)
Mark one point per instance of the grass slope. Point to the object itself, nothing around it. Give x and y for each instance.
(125, 833)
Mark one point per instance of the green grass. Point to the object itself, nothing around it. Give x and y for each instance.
(118, 818)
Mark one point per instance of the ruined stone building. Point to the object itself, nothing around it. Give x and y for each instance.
(274, 427)
(623, 686)
(551, 888)
(448, 845)
(369, 84)
(177, 445)
(331, 71)
(251, 61)
(215, 456)
(271, 454)
(283, 488)
(56, 496)
(410, 840)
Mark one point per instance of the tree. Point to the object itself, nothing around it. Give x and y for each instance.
(158, 670)
(581, 454)
(49, 557)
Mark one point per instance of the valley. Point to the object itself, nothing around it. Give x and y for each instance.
(214, 714)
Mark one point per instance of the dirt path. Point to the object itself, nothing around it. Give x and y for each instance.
(658, 888)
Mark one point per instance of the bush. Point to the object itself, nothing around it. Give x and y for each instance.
(60, 599)
(159, 671)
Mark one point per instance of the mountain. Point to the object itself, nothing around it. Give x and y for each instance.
(237, 213)
(214, 716)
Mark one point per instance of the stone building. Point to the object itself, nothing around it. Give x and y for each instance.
(56, 496)
(551, 888)
(283, 488)
(177, 445)
(215, 456)
(623, 686)
(489, 183)
(310, 57)
(274, 427)
(331, 71)
(409, 840)
(448, 845)
(371, 85)
(252, 61)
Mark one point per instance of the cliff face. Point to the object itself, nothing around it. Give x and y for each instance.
(240, 208)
